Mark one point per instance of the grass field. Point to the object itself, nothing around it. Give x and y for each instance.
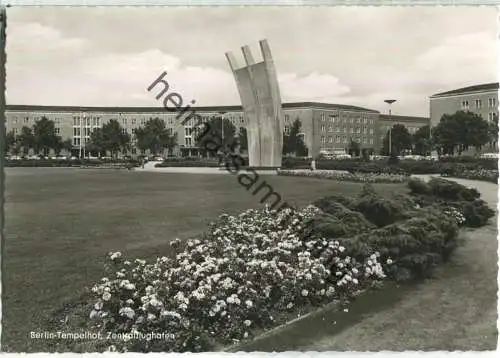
(61, 222)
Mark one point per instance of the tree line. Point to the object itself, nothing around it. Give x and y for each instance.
(110, 138)
(454, 134)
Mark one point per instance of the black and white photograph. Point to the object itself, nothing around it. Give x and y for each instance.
(249, 179)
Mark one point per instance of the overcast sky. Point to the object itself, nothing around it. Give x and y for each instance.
(358, 56)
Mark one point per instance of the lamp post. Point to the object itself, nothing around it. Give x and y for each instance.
(390, 102)
(222, 128)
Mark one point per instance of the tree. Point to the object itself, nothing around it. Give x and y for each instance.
(10, 142)
(45, 138)
(96, 142)
(113, 137)
(422, 142)
(27, 139)
(293, 143)
(354, 148)
(155, 137)
(219, 131)
(459, 131)
(61, 145)
(398, 138)
(243, 140)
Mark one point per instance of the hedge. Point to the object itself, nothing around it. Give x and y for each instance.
(46, 163)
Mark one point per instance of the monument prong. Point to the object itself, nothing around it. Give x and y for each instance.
(232, 61)
(266, 51)
(261, 101)
(247, 55)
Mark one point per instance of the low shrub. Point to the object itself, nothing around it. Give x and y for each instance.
(340, 176)
(477, 213)
(48, 163)
(190, 163)
(414, 246)
(451, 190)
(379, 210)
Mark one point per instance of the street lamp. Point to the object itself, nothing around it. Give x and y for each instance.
(222, 128)
(390, 102)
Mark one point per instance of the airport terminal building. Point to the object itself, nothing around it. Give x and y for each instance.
(326, 128)
(480, 99)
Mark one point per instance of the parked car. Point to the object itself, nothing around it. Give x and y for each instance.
(490, 155)
(14, 157)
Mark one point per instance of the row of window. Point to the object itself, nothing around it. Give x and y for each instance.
(336, 119)
(347, 130)
(344, 139)
(479, 103)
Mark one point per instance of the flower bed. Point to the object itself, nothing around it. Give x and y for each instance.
(351, 177)
(245, 271)
(478, 174)
(251, 268)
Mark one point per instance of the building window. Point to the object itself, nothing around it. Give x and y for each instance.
(26, 120)
(15, 131)
(188, 141)
(479, 103)
(287, 118)
(465, 104)
(287, 130)
(330, 128)
(143, 121)
(322, 117)
(14, 121)
(337, 139)
(76, 132)
(492, 116)
(371, 140)
(351, 130)
(330, 139)
(323, 139)
(322, 128)
(492, 102)
(58, 130)
(364, 130)
(134, 121)
(371, 130)
(344, 139)
(364, 140)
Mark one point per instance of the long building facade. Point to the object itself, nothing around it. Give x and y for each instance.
(481, 99)
(326, 128)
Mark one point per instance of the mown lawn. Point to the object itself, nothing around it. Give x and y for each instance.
(60, 223)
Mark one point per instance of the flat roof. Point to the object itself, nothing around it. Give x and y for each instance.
(23, 107)
(476, 88)
(386, 117)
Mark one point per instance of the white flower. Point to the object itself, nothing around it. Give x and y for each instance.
(355, 281)
(290, 305)
(389, 261)
(248, 303)
(247, 323)
(115, 255)
(341, 248)
(245, 335)
(106, 296)
(128, 312)
(93, 314)
(304, 292)
(98, 305)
